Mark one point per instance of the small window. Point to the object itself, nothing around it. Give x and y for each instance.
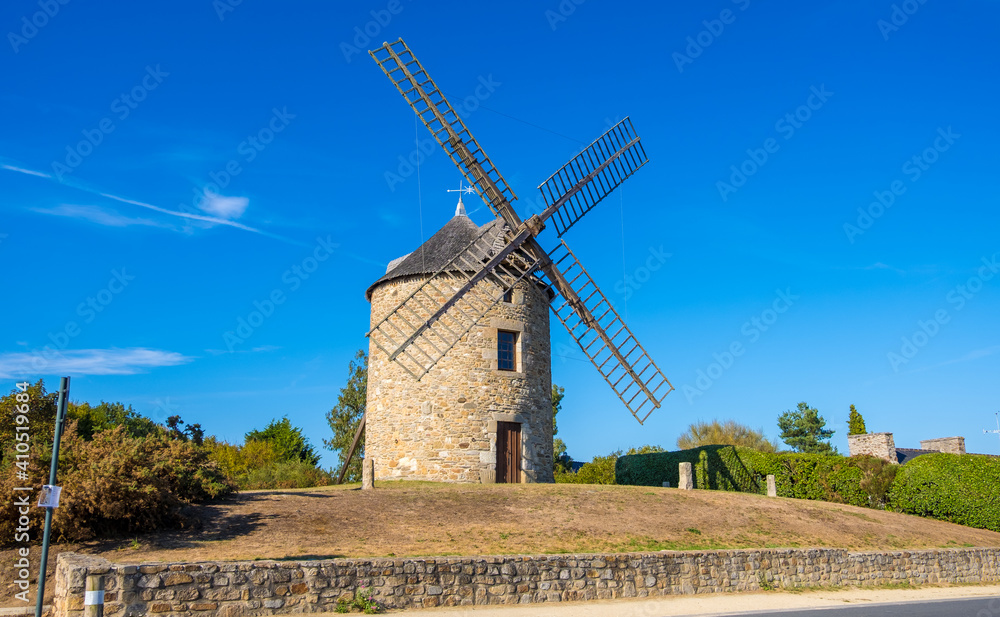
(506, 350)
(508, 296)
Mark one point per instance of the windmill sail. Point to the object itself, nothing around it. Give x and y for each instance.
(606, 340)
(590, 176)
(432, 319)
(423, 95)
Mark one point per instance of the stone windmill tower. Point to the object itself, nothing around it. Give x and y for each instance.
(484, 413)
(458, 380)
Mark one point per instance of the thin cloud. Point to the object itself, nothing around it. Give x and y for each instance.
(24, 171)
(96, 214)
(112, 361)
(260, 349)
(224, 207)
(975, 354)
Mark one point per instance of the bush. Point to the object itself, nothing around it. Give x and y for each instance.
(259, 465)
(117, 484)
(286, 474)
(860, 481)
(960, 488)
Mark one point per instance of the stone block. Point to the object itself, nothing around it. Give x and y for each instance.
(367, 473)
(772, 487)
(686, 482)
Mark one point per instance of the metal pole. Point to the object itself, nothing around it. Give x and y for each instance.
(60, 420)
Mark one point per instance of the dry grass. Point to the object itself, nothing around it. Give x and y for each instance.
(422, 518)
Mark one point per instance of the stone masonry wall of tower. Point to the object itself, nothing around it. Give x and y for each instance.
(443, 427)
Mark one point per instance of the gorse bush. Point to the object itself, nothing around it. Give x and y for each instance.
(117, 484)
(960, 488)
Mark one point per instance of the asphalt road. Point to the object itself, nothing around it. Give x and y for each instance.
(971, 607)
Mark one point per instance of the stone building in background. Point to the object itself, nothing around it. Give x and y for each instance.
(484, 412)
(883, 446)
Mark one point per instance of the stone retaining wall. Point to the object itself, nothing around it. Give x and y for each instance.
(235, 589)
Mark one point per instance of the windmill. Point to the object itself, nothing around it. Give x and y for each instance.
(433, 318)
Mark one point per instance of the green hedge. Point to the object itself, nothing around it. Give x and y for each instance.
(802, 476)
(960, 488)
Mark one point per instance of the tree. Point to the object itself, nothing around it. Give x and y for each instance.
(288, 440)
(728, 433)
(560, 459)
(803, 430)
(94, 419)
(345, 416)
(855, 423)
(39, 410)
(193, 432)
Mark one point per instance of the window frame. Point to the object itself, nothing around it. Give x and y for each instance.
(501, 344)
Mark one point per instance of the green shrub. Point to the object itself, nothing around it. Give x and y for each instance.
(859, 481)
(599, 471)
(258, 464)
(960, 488)
(286, 474)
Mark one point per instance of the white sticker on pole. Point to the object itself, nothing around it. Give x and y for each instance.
(93, 598)
(49, 497)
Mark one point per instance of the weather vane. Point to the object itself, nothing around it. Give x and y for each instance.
(460, 210)
(997, 430)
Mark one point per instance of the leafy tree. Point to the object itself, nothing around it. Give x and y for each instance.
(288, 441)
(40, 414)
(94, 419)
(803, 430)
(561, 460)
(193, 432)
(855, 423)
(728, 433)
(345, 416)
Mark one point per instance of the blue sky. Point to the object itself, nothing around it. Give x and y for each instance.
(821, 197)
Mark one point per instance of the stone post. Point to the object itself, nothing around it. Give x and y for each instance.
(686, 482)
(772, 487)
(93, 600)
(367, 473)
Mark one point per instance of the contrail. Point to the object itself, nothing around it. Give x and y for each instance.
(186, 215)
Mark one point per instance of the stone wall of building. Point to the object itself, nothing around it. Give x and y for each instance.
(443, 427)
(236, 589)
(951, 445)
(880, 445)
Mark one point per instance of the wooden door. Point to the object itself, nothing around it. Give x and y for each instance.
(508, 452)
